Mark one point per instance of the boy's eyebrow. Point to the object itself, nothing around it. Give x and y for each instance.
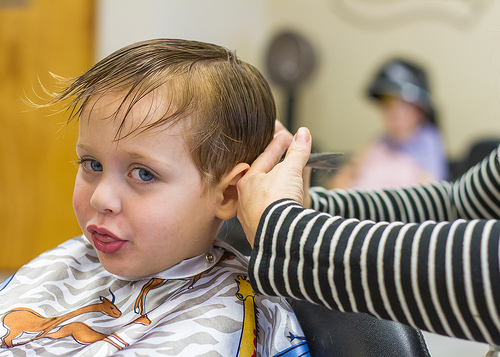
(132, 154)
(139, 155)
(79, 145)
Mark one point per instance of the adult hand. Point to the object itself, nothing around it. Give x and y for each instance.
(269, 180)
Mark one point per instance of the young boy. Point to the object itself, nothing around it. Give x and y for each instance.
(166, 130)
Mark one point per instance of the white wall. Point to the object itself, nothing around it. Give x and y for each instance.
(239, 25)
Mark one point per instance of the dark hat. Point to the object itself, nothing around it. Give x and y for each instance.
(406, 81)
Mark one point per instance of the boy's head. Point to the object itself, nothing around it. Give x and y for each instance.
(229, 102)
(167, 127)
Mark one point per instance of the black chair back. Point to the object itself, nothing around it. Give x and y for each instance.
(343, 334)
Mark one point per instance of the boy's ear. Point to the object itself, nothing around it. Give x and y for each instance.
(227, 195)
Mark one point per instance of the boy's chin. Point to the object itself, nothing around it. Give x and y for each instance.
(121, 271)
(127, 272)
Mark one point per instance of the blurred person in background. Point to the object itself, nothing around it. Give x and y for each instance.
(410, 150)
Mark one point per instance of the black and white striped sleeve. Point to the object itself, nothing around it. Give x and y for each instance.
(440, 277)
(475, 195)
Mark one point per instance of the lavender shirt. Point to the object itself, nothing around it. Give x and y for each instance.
(426, 147)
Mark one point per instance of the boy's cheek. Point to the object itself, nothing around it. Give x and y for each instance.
(80, 201)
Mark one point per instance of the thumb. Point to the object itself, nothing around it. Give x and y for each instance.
(300, 149)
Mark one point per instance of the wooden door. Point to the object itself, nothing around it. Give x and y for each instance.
(37, 152)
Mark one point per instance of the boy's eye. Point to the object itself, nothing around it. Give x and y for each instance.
(142, 175)
(91, 165)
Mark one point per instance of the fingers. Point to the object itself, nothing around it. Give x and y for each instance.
(273, 153)
(300, 149)
(268, 180)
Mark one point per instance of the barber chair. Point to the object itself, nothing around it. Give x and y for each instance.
(344, 334)
(341, 334)
(475, 154)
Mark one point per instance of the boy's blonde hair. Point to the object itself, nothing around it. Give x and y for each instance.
(230, 102)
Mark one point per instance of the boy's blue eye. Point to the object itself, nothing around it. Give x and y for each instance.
(95, 165)
(142, 175)
(91, 165)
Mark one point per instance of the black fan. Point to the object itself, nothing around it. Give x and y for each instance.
(290, 61)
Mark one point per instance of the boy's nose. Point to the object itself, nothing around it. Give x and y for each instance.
(106, 197)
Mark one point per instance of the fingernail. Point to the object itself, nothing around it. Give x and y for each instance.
(302, 135)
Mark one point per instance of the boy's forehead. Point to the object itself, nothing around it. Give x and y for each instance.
(128, 115)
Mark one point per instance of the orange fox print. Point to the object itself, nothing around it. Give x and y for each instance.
(140, 302)
(20, 320)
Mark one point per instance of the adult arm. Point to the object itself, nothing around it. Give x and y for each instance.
(475, 195)
(441, 277)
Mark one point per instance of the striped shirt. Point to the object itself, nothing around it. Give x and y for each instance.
(427, 256)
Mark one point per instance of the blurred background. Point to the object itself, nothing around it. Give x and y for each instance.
(341, 43)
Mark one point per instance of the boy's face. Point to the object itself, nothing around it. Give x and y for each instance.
(140, 200)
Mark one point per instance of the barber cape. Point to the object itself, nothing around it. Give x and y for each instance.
(64, 303)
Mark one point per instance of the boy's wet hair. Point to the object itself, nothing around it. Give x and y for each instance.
(229, 101)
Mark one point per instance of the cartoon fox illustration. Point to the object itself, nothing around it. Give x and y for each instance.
(22, 319)
(140, 302)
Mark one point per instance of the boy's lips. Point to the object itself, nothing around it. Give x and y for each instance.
(105, 241)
